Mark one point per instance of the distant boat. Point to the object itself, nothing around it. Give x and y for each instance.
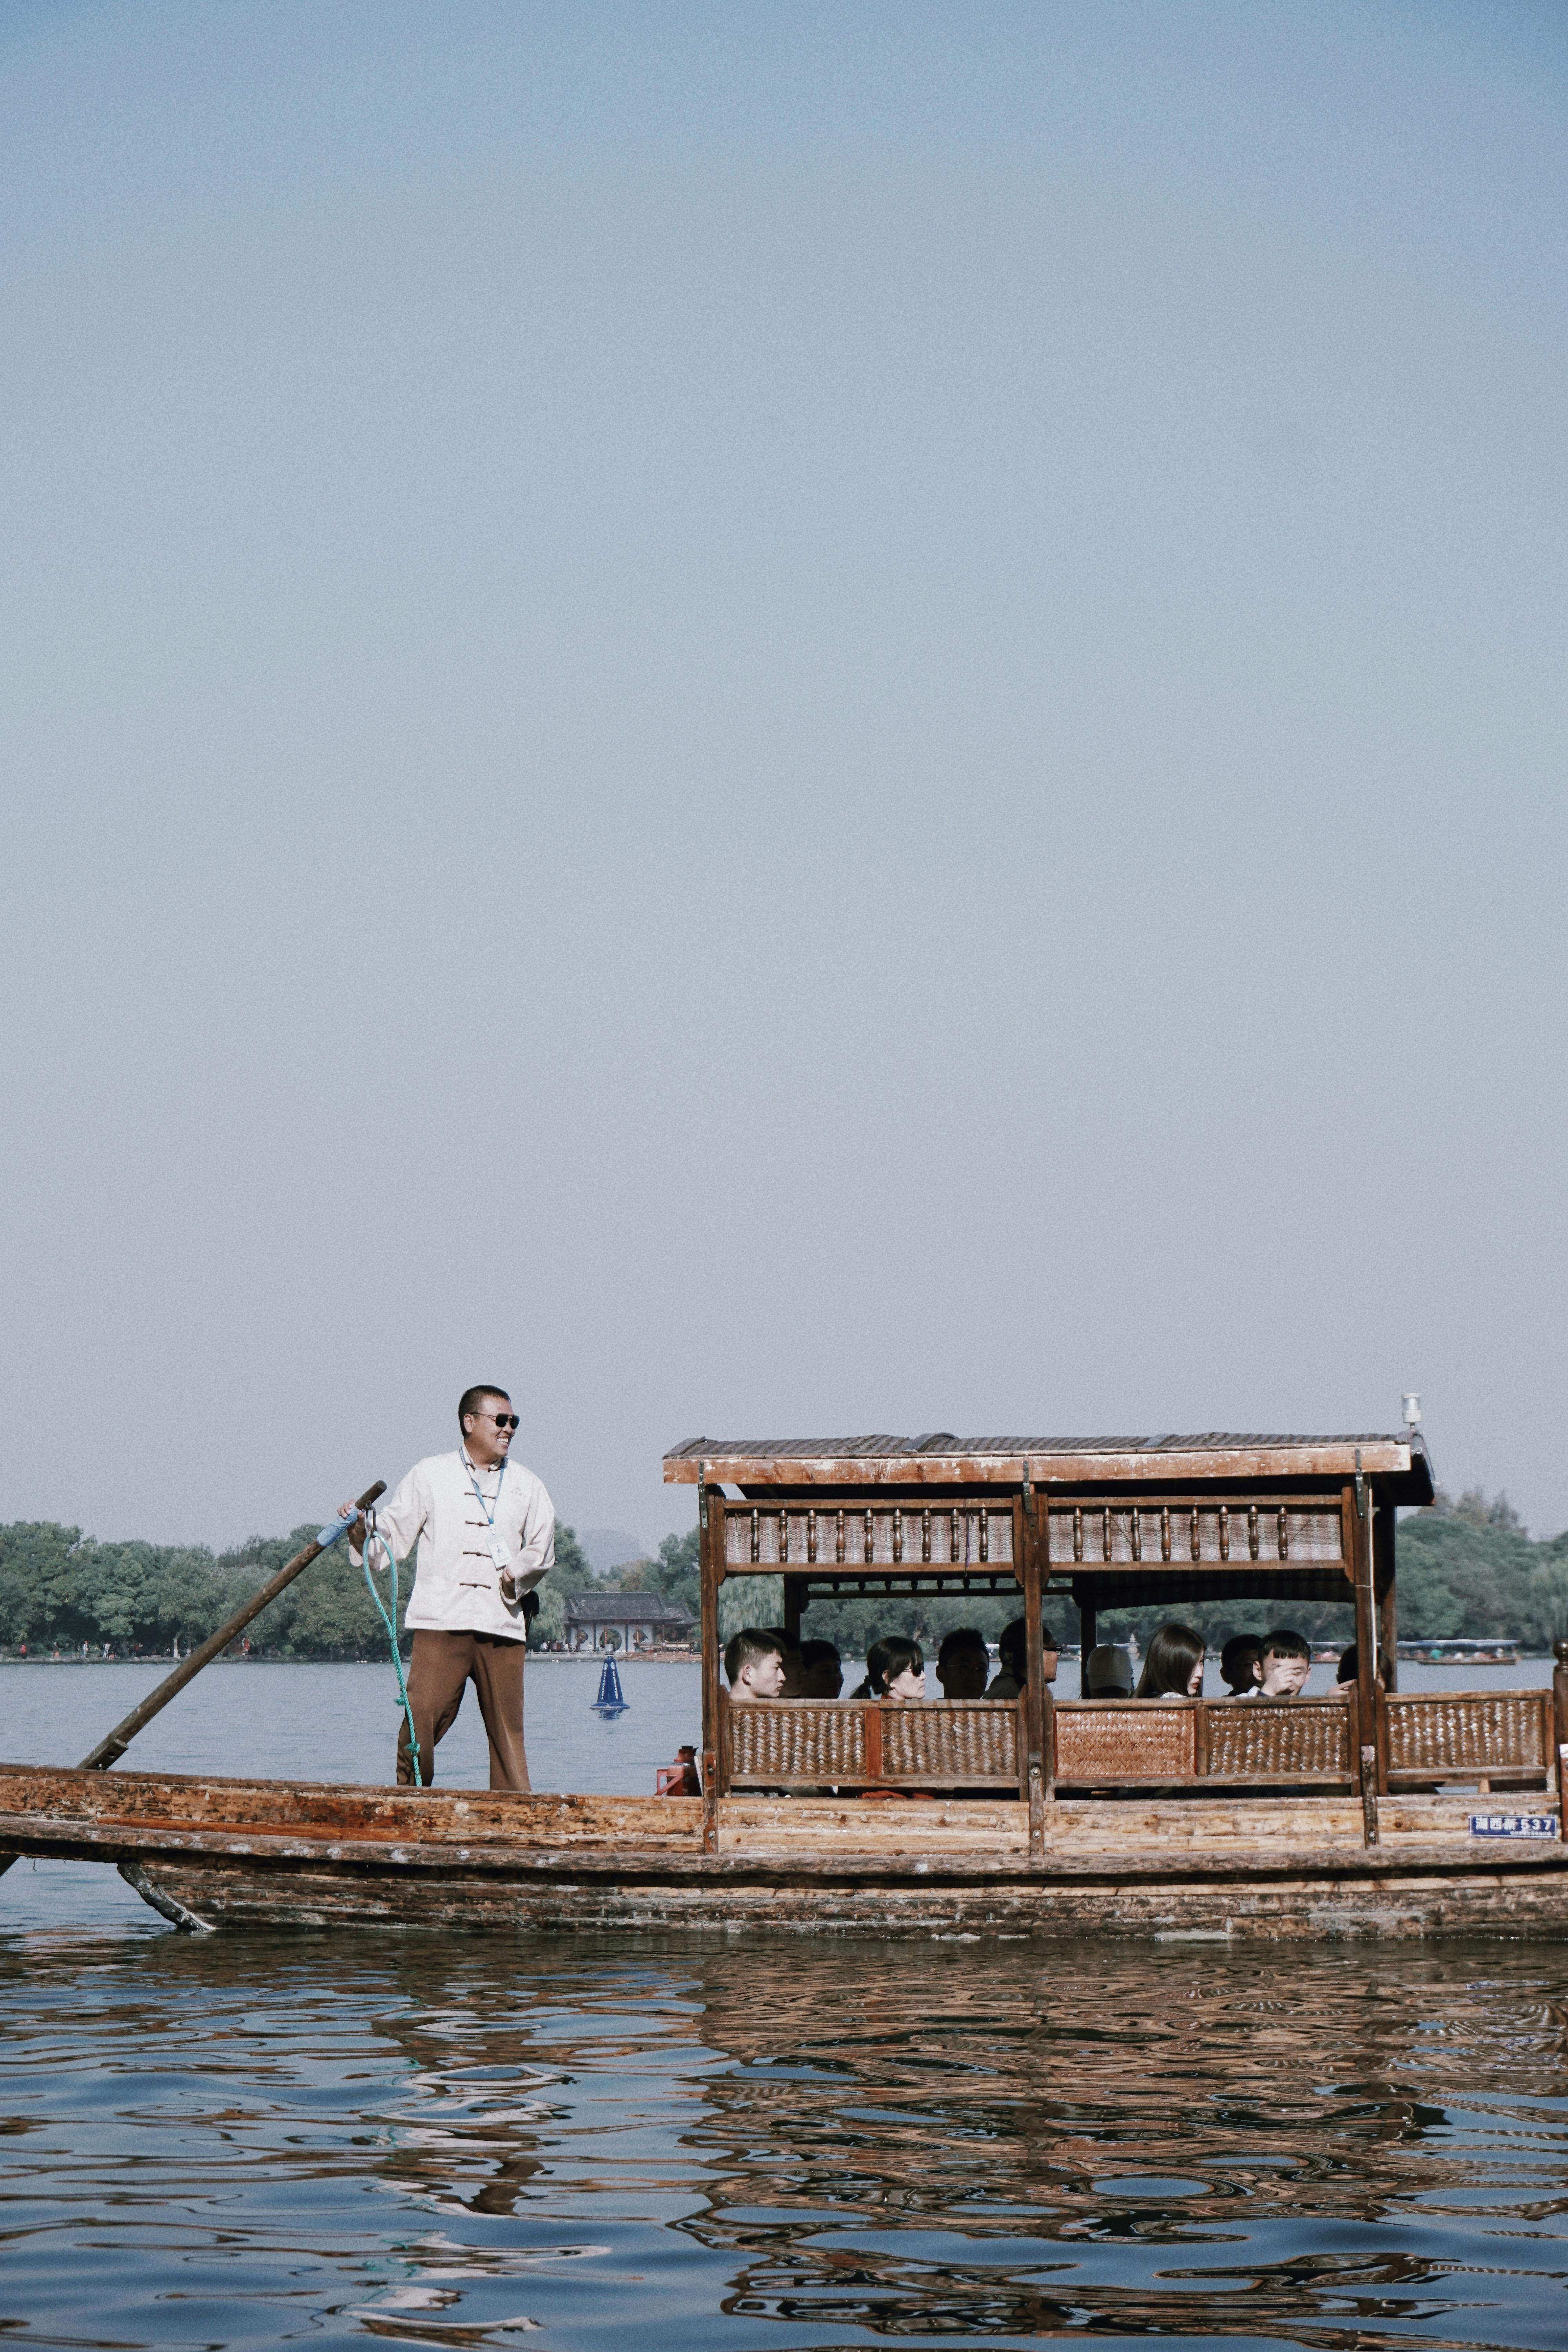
(1473, 1650)
(609, 1701)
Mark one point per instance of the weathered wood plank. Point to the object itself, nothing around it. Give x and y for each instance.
(891, 1859)
(747, 1465)
(1286, 1909)
(466, 1815)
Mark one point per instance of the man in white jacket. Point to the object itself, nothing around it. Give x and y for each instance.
(486, 1532)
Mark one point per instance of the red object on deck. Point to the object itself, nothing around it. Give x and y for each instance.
(679, 1778)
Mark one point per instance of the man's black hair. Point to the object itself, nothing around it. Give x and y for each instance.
(745, 1648)
(1013, 1647)
(470, 1400)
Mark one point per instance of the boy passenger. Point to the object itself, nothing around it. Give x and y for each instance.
(1349, 1672)
(1107, 1673)
(1241, 1664)
(1013, 1652)
(962, 1663)
(1286, 1662)
(820, 1673)
(753, 1665)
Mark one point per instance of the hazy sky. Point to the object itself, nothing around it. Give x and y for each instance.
(775, 721)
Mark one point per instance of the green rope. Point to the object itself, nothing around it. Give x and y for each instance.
(376, 1537)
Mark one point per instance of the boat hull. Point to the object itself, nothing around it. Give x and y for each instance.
(1400, 1904)
(211, 1853)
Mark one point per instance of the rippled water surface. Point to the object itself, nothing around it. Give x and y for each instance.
(262, 2140)
(259, 2141)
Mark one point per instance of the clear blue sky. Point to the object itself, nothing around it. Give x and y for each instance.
(775, 721)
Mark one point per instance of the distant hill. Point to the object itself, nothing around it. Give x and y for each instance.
(607, 1548)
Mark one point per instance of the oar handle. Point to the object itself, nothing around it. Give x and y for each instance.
(110, 1748)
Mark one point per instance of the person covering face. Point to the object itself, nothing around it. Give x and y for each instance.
(485, 1529)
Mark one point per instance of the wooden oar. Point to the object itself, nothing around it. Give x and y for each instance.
(114, 1744)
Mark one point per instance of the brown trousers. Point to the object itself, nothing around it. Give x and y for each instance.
(442, 1664)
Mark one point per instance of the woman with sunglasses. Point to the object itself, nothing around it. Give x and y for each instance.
(486, 1532)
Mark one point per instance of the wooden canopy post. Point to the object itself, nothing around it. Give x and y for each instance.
(1355, 1519)
(1383, 1540)
(791, 1610)
(1026, 1559)
(711, 1564)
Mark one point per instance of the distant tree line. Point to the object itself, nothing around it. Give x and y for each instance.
(1465, 1568)
(59, 1589)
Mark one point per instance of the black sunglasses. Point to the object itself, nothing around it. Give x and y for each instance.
(504, 1420)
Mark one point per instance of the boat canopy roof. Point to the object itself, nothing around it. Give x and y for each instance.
(1399, 1465)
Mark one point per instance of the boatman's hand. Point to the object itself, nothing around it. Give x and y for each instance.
(356, 1533)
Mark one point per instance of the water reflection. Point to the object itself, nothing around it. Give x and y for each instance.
(781, 2143)
(1015, 2150)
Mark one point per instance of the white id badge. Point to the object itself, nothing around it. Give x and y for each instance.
(498, 1552)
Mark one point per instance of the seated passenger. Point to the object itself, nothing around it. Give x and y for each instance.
(1348, 1671)
(1286, 1662)
(813, 1670)
(1014, 1662)
(755, 1665)
(682, 1778)
(1241, 1664)
(894, 1669)
(1174, 1666)
(792, 1688)
(1107, 1673)
(962, 1663)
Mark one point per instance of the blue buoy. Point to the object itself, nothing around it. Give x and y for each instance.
(609, 1701)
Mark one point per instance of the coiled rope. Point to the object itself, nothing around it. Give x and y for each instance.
(374, 1536)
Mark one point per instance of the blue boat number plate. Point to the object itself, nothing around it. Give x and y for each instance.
(1537, 1825)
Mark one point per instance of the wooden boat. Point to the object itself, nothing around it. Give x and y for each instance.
(1471, 1651)
(1378, 1813)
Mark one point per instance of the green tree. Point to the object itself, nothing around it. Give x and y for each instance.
(570, 1574)
(1465, 1568)
(37, 1579)
(673, 1573)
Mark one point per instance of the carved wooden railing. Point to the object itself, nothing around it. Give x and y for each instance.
(968, 1532)
(1292, 1528)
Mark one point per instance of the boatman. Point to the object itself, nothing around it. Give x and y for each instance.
(486, 1532)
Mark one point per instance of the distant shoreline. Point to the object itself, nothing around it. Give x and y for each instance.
(535, 1658)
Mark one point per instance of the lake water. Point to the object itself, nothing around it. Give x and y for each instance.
(259, 2140)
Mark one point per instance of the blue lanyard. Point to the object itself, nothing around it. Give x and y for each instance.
(490, 1509)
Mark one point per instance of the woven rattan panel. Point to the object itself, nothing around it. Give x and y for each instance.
(796, 1740)
(1255, 1740)
(1124, 1743)
(949, 1744)
(1465, 1731)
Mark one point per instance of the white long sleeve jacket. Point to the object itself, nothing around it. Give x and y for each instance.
(457, 1583)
